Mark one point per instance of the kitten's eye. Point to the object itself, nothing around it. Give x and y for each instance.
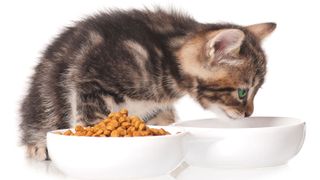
(242, 93)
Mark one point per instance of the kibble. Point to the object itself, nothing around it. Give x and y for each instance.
(117, 124)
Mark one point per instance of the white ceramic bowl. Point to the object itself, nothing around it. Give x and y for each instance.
(249, 142)
(116, 157)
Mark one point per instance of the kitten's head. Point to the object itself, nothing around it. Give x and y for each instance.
(228, 66)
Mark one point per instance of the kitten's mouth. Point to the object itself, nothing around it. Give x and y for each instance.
(225, 112)
(234, 114)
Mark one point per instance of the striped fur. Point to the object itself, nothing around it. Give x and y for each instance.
(143, 61)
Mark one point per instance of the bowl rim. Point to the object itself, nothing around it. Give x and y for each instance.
(180, 132)
(297, 122)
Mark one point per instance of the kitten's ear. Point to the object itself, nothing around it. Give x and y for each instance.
(225, 42)
(262, 30)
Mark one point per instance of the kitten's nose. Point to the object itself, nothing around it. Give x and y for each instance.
(247, 114)
(249, 109)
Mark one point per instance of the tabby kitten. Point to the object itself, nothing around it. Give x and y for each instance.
(143, 61)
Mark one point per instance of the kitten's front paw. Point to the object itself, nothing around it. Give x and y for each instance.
(90, 120)
(37, 152)
(160, 122)
(163, 118)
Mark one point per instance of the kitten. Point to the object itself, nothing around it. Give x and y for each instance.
(143, 61)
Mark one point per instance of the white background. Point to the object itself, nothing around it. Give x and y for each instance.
(291, 87)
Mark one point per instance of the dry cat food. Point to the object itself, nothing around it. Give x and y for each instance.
(117, 124)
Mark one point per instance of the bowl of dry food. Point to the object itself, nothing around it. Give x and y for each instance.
(120, 146)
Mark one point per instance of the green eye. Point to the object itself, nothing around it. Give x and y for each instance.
(242, 93)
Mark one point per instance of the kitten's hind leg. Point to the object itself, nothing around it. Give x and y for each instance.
(163, 118)
(35, 143)
(38, 118)
(37, 152)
